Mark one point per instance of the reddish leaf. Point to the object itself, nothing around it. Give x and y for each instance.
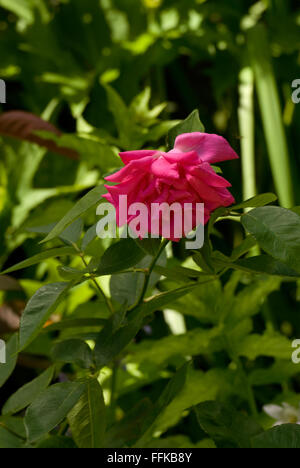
(23, 125)
(7, 283)
(9, 319)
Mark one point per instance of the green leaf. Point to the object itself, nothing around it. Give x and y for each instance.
(127, 288)
(296, 209)
(39, 309)
(179, 441)
(265, 264)
(227, 427)
(75, 323)
(36, 259)
(14, 424)
(173, 388)
(73, 351)
(192, 343)
(277, 231)
(28, 393)
(248, 302)
(87, 202)
(51, 407)
(161, 300)
(72, 234)
(89, 237)
(57, 442)
(201, 302)
(199, 387)
(270, 344)
(9, 440)
(126, 431)
(150, 246)
(182, 274)
(279, 372)
(203, 259)
(120, 256)
(69, 274)
(91, 149)
(248, 243)
(110, 342)
(87, 418)
(190, 125)
(284, 436)
(11, 359)
(256, 202)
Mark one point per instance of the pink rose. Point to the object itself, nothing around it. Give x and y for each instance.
(183, 175)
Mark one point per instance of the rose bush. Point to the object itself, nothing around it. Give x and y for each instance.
(94, 321)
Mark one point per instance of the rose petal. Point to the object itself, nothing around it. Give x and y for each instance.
(128, 156)
(209, 147)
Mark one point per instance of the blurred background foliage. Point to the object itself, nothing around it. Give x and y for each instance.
(115, 75)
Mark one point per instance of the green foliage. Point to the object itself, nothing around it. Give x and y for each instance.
(222, 323)
(190, 125)
(277, 232)
(51, 407)
(285, 436)
(136, 343)
(28, 393)
(87, 418)
(227, 427)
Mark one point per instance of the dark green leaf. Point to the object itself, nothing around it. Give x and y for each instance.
(182, 274)
(75, 323)
(112, 341)
(150, 246)
(9, 440)
(51, 407)
(243, 248)
(266, 264)
(39, 309)
(87, 418)
(120, 256)
(277, 231)
(173, 388)
(296, 210)
(128, 430)
(28, 393)
(70, 274)
(89, 237)
(190, 125)
(87, 202)
(285, 436)
(126, 288)
(256, 202)
(72, 234)
(59, 252)
(161, 300)
(57, 442)
(73, 351)
(227, 427)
